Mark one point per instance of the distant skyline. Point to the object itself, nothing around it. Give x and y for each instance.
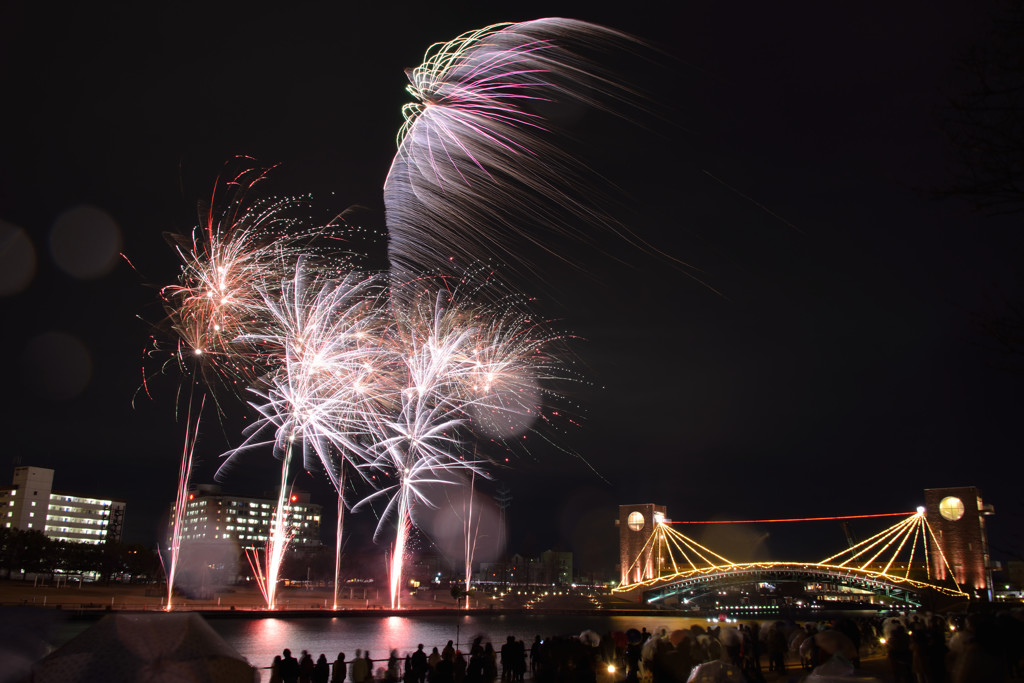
(740, 540)
(820, 356)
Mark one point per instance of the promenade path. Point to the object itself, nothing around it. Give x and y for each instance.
(151, 597)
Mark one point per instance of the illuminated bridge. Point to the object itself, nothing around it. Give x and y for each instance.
(937, 553)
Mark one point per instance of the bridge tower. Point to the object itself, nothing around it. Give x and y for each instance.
(635, 525)
(957, 517)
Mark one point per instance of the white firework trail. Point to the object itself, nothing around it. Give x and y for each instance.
(421, 440)
(462, 369)
(324, 395)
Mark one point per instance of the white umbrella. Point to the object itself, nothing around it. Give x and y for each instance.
(890, 624)
(716, 672)
(729, 636)
(832, 642)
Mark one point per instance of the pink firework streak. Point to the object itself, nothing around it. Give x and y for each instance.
(181, 499)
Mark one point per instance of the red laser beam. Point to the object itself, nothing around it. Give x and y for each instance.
(795, 519)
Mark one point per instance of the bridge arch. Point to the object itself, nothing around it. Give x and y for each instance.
(693, 585)
(895, 567)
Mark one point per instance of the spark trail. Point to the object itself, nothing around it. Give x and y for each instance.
(483, 168)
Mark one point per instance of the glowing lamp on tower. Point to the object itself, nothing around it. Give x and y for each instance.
(951, 508)
(635, 521)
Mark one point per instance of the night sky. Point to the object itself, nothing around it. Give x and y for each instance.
(822, 355)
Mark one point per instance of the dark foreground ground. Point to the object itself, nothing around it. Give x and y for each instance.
(94, 599)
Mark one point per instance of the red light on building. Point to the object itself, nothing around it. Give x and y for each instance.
(191, 496)
(294, 498)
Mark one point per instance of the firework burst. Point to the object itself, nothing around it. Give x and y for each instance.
(462, 372)
(396, 381)
(325, 390)
(478, 142)
(234, 249)
(241, 250)
(322, 395)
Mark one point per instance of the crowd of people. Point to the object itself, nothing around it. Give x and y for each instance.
(980, 647)
(447, 666)
(919, 649)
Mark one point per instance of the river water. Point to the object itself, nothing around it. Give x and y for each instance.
(259, 640)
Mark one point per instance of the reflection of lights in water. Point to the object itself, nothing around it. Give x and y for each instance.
(397, 630)
(272, 626)
(260, 640)
(270, 630)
